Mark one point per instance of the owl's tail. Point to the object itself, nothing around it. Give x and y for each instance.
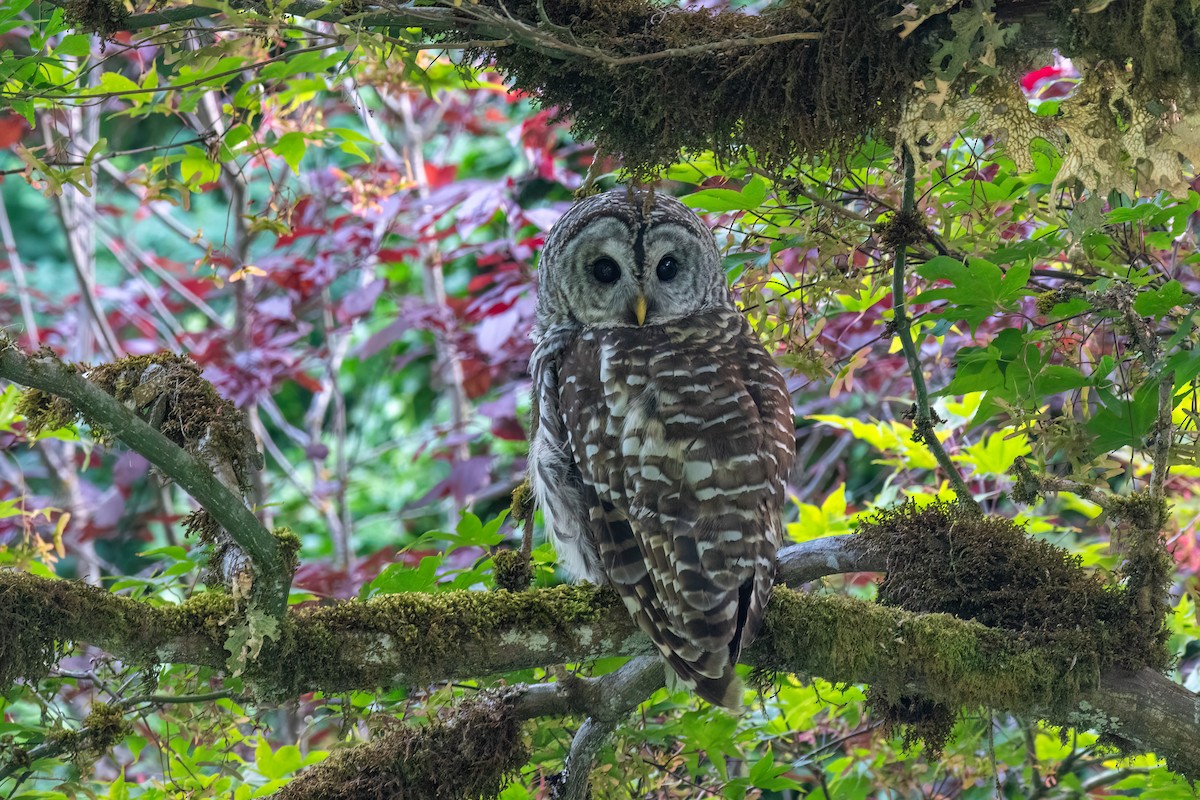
(712, 674)
(725, 690)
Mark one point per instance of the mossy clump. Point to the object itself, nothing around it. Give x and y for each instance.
(513, 570)
(941, 559)
(103, 728)
(104, 17)
(917, 719)
(472, 753)
(522, 502)
(807, 96)
(289, 548)
(169, 392)
(44, 411)
(1046, 301)
(903, 229)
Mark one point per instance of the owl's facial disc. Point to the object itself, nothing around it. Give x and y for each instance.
(616, 262)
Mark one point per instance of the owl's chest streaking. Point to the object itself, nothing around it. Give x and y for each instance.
(668, 421)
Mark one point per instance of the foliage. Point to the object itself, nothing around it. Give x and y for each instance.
(339, 222)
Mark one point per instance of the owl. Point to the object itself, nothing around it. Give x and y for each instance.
(664, 430)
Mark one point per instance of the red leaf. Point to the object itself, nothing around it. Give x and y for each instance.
(12, 128)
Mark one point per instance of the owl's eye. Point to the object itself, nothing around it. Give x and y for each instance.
(668, 268)
(606, 270)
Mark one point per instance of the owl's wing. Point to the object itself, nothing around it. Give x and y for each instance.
(554, 474)
(686, 438)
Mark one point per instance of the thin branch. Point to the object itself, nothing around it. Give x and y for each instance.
(829, 555)
(924, 418)
(19, 276)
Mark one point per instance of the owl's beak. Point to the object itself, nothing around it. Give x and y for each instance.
(639, 309)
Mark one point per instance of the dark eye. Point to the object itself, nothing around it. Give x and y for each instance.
(606, 270)
(668, 268)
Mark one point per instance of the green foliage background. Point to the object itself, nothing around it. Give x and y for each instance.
(208, 154)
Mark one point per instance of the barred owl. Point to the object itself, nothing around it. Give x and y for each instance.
(664, 430)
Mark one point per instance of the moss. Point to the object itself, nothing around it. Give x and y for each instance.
(45, 412)
(942, 560)
(901, 230)
(959, 663)
(103, 728)
(782, 101)
(41, 618)
(168, 391)
(522, 502)
(1140, 509)
(1026, 489)
(1046, 301)
(289, 548)
(514, 570)
(472, 753)
(433, 631)
(917, 719)
(104, 17)
(1161, 38)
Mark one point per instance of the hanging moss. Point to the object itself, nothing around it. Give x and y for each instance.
(782, 100)
(513, 570)
(1161, 38)
(104, 17)
(472, 753)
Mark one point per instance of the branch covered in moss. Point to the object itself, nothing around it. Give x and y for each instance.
(48, 374)
(417, 638)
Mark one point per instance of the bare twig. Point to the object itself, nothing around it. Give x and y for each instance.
(19, 276)
(924, 419)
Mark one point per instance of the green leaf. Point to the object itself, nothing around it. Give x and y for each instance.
(1162, 301)
(290, 148)
(1123, 423)
(979, 288)
(397, 578)
(75, 45)
(749, 198)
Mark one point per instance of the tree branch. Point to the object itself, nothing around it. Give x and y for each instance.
(414, 638)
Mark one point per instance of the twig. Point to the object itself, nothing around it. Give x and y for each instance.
(18, 269)
(54, 747)
(606, 701)
(924, 419)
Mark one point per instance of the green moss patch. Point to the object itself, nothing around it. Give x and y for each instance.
(439, 635)
(40, 619)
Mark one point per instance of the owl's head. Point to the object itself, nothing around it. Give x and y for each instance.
(626, 258)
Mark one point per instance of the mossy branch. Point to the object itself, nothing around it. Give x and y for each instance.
(417, 638)
(49, 374)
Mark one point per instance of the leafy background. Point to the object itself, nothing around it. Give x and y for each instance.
(342, 227)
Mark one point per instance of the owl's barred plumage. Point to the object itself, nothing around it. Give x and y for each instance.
(663, 444)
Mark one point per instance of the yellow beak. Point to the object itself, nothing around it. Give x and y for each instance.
(639, 309)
